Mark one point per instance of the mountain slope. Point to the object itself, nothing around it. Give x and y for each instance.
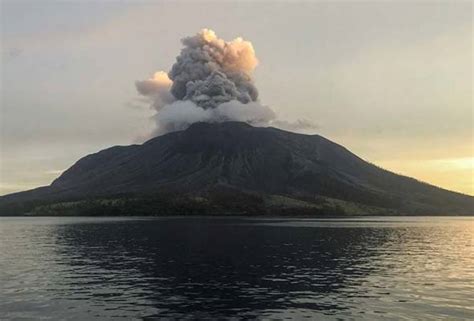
(208, 159)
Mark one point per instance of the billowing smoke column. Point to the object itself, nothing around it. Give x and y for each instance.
(210, 71)
(211, 81)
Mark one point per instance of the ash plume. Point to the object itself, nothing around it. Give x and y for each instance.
(157, 89)
(211, 81)
(210, 71)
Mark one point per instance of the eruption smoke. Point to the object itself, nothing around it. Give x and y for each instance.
(210, 71)
(211, 81)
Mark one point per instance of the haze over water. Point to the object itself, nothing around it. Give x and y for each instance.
(372, 268)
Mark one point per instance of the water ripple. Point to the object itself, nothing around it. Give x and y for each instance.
(198, 268)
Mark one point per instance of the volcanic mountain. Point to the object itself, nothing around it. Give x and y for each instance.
(232, 168)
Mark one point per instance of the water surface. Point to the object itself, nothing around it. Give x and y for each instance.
(388, 268)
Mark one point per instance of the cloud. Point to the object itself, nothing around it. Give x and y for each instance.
(210, 81)
(182, 113)
(298, 125)
(157, 89)
(252, 113)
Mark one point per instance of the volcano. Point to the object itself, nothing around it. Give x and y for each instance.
(233, 168)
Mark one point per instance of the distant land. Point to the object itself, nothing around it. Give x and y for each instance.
(233, 168)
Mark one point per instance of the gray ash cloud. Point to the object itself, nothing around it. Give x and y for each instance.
(211, 81)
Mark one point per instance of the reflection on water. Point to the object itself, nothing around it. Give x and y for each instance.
(383, 268)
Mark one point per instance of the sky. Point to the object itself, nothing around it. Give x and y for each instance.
(389, 80)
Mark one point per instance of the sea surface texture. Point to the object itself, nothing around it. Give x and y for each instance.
(390, 268)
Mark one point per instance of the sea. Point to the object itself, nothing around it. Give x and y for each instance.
(236, 268)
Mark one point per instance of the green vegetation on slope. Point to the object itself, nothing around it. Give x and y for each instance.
(222, 203)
